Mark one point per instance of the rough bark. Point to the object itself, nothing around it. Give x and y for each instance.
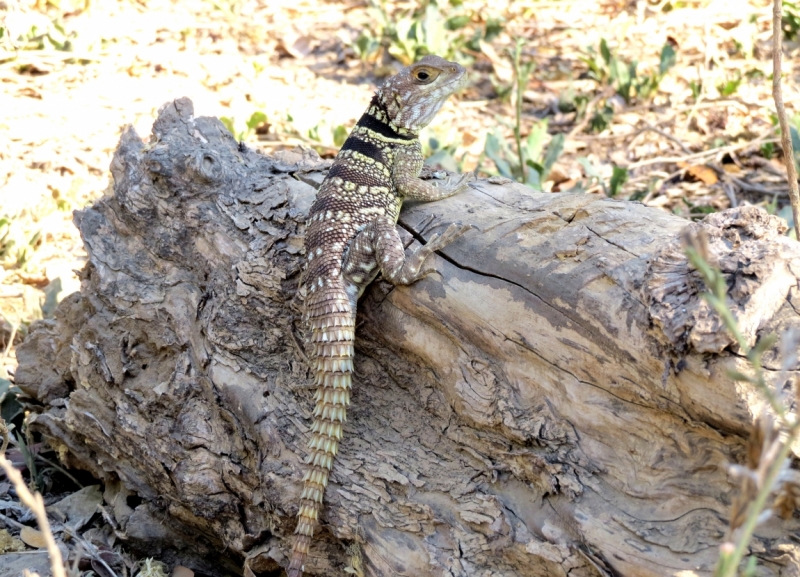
(555, 402)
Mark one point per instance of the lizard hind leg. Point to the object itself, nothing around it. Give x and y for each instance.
(380, 243)
(332, 322)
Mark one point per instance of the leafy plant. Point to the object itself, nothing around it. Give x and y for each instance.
(529, 163)
(772, 435)
(15, 248)
(447, 29)
(794, 126)
(255, 124)
(730, 85)
(609, 68)
(619, 177)
(696, 86)
(365, 46)
(436, 153)
(536, 161)
(790, 20)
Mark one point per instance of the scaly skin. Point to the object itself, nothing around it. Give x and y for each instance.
(351, 236)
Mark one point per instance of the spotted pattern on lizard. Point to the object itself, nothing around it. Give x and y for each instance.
(351, 237)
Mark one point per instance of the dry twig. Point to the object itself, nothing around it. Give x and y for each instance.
(777, 94)
(36, 504)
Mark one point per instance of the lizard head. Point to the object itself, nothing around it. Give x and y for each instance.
(414, 95)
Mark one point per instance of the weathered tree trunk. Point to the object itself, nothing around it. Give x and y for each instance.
(556, 402)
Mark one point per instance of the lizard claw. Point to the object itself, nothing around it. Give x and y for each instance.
(456, 183)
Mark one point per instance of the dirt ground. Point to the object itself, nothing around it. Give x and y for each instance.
(691, 131)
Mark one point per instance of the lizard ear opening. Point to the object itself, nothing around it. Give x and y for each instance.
(424, 75)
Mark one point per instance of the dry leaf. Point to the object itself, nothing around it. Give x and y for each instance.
(700, 172)
(501, 65)
(32, 537)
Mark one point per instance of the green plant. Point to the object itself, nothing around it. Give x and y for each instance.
(529, 163)
(608, 68)
(790, 20)
(696, 86)
(536, 161)
(794, 126)
(254, 125)
(447, 29)
(16, 249)
(772, 436)
(436, 153)
(697, 210)
(731, 84)
(365, 46)
(338, 134)
(619, 176)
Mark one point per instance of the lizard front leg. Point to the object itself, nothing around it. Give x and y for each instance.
(405, 176)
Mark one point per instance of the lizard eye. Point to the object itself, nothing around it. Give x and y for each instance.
(424, 75)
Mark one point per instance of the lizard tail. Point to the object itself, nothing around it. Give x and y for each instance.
(332, 323)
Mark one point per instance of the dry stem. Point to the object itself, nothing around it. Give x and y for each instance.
(786, 140)
(36, 504)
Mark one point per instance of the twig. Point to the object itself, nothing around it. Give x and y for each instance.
(587, 116)
(60, 469)
(10, 522)
(11, 338)
(741, 183)
(701, 154)
(89, 549)
(777, 94)
(36, 504)
(668, 136)
(730, 193)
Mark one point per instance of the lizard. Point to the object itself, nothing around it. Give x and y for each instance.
(351, 236)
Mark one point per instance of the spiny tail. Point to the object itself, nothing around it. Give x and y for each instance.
(332, 323)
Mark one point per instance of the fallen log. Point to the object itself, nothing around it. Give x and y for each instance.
(556, 402)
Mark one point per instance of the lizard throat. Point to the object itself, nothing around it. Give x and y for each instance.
(376, 119)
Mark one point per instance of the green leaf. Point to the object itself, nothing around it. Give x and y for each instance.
(256, 119)
(534, 144)
(494, 27)
(605, 52)
(667, 59)
(619, 176)
(492, 149)
(533, 178)
(535, 166)
(457, 22)
(551, 156)
(602, 118)
(228, 123)
(10, 409)
(340, 135)
(5, 385)
(588, 167)
(795, 145)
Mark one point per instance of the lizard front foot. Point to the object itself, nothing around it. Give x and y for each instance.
(455, 184)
